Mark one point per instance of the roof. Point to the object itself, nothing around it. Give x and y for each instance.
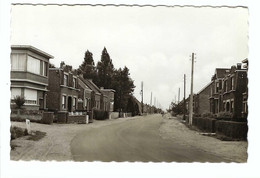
(33, 49)
(205, 87)
(221, 72)
(91, 85)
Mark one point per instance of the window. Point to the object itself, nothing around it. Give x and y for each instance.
(232, 106)
(44, 68)
(226, 86)
(227, 106)
(30, 96)
(74, 82)
(63, 103)
(65, 80)
(33, 65)
(232, 83)
(18, 62)
(74, 102)
(217, 87)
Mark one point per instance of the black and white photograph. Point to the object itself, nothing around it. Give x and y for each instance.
(130, 84)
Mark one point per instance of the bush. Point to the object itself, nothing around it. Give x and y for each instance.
(209, 115)
(225, 115)
(17, 132)
(100, 115)
(19, 101)
(47, 118)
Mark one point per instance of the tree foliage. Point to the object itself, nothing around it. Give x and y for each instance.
(105, 70)
(19, 101)
(87, 68)
(105, 75)
(124, 87)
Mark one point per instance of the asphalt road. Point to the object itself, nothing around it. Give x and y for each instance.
(134, 140)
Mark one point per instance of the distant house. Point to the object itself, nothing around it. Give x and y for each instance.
(109, 104)
(201, 99)
(134, 106)
(63, 89)
(93, 97)
(29, 75)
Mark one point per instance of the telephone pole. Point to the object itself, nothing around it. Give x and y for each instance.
(142, 93)
(151, 102)
(179, 96)
(184, 98)
(191, 91)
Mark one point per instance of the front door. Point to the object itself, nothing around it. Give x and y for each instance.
(69, 104)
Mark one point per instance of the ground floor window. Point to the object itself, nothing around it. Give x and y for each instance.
(227, 106)
(63, 103)
(15, 92)
(30, 96)
(74, 102)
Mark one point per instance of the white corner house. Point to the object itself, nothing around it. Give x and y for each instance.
(29, 75)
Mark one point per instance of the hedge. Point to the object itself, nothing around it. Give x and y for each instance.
(100, 115)
(231, 129)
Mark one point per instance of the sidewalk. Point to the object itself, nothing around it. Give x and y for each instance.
(56, 144)
(173, 128)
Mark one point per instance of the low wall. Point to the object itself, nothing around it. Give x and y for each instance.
(113, 115)
(124, 115)
(47, 117)
(236, 130)
(204, 124)
(23, 117)
(62, 117)
(79, 119)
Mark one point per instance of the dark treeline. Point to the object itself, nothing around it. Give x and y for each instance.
(105, 75)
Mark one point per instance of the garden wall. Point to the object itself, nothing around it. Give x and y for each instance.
(114, 115)
(79, 119)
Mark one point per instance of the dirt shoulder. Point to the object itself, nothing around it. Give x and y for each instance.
(56, 144)
(236, 151)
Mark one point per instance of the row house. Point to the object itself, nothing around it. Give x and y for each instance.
(63, 89)
(216, 86)
(92, 97)
(227, 92)
(234, 86)
(29, 76)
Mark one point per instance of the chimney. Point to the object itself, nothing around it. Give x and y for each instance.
(239, 66)
(101, 88)
(62, 64)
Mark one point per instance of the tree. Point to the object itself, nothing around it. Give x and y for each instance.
(87, 68)
(105, 70)
(19, 101)
(124, 87)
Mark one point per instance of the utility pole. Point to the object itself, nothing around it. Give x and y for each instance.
(142, 93)
(179, 96)
(191, 91)
(184, 98)
(151, 102)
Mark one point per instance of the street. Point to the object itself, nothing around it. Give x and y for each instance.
(137, 140)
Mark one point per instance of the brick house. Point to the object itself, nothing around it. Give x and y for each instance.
(29, 76)
(216, 89)
(63, 89)
(109, 103)
(91, 96)
(234, 87)
(245, 94)
(201, 99)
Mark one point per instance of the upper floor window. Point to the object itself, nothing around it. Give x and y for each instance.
(63, 103)
(226, 86)
(232, 83)
(18, 62)
(33, 65)
(217, 87)
(74, 82)
(65, 79)
(44, 68)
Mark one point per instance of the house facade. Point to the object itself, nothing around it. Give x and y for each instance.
(109, 102)
(29, 76)
(234, 87)
(201, 99)
(63, 89)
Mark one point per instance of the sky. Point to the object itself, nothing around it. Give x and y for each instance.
(155, 43)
